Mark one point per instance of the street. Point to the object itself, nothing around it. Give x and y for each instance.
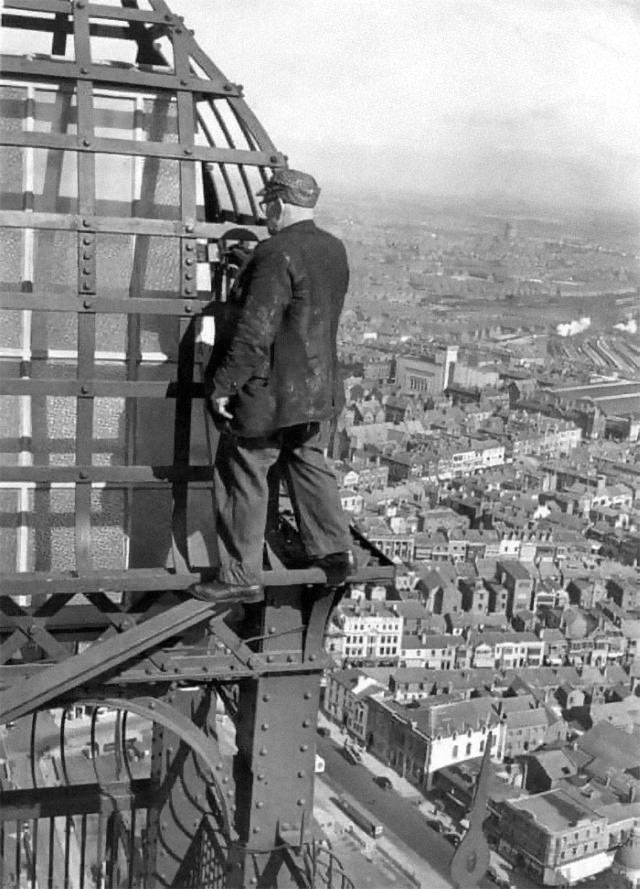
(398, 816)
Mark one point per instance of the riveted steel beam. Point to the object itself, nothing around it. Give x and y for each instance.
(138, 225)
(188, 667)
(101, 658)
(76, 799)
(138, 579)
(117, 77)
(274, 767)
(166, 150)
(71, 302)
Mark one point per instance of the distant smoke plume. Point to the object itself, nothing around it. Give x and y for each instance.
(573, 327)
(631, 326)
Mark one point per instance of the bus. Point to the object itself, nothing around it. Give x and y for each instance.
(364, 819)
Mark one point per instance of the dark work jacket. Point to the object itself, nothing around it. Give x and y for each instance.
(280, 367)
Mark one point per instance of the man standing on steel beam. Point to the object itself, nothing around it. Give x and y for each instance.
(276, 391)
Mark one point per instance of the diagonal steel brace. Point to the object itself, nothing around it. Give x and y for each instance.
(102, 657)
(238, 647)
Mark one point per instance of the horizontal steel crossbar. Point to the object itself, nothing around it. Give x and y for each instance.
(125, 476)
(150, 579)
(122, 77)
(53, 583)
(40, 301)
(32, 23)
(121, 225)
(167, 666)
(97, 10)
(61, 6)
(96, 388)
(74, 799)
(140, 148)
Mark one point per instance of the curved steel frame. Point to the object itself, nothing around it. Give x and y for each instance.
(127, 635)
(164, 714)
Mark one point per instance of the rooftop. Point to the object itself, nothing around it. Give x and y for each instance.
(555, 762)
(620, 747)
(555, 810)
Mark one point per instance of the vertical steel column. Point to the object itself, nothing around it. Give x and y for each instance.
(274, 767)
(86, 290)
(188, 290)
(25, 457)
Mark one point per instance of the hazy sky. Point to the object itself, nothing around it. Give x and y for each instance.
(529, 97)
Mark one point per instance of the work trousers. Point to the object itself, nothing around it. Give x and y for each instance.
(242, 497)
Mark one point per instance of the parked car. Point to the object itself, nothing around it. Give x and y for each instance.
(435, 825)
(383, 782)
(453, 838)
(323, 731)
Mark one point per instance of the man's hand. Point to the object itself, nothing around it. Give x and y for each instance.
(221, 407)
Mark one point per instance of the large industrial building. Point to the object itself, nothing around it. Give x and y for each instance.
(618, 401)
(426, 375)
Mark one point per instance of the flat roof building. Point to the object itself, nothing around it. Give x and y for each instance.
(556, 836)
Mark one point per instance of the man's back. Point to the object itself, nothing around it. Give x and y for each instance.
(283, 355)
(274, 385)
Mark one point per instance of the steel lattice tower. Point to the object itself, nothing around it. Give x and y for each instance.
(129, 167)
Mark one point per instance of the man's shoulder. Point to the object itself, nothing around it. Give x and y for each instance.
(313, 240)
(289, 241)
(330, 237)
(270, 248)
(304, 231)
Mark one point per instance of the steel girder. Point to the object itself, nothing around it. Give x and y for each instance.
(126, 177)
(193, 790)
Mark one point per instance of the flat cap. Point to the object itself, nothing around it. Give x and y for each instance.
(292, 187)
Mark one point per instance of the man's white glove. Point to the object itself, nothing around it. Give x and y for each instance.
(221, 407)
(207, 333)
